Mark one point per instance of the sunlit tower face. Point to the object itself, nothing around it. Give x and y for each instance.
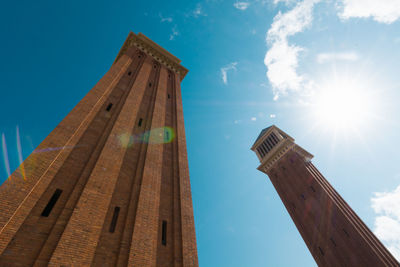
(110, 184)
(333, 233)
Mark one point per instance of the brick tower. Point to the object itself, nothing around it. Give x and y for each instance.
(110, 184)
(332, 231)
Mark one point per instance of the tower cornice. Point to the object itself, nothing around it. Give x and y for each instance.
(156, 51)
(279, 145)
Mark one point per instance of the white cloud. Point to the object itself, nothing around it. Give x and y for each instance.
(343, 56)
(387, 223)
(385, 11)
(174, 33)
(224, 71)
(198, 11)
(272, 115)
(237, 121)
(165, 19)
(282, 58)
(253, 118)
(241, 5)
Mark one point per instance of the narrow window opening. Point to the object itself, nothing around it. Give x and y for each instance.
(303, 197)
(166, 136)
(129, 73)
(322, 252)
(169, 76)
(109, 107)
(139, 56)
(140, 122)
(52, 202)
(149, 84)
(312, 188)
(155, 66)
(164, 233)
(169, 96)
(347, 234)
(333, 241)
(114, 219)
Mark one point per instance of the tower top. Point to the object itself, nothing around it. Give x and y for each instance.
(156, 51)
(272, 144)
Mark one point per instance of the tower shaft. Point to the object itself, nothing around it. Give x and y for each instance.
(110, 185)
(332, 231)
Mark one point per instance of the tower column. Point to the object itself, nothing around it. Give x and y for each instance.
(46, 160)
(144, 239)
(88, 217)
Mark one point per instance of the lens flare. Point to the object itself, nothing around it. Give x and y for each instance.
(19, 148)
(161, 135)
(5, 155)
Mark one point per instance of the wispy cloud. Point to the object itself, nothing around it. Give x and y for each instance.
(272, 116)
(253, 119)
(225, 69)
(165, 19)
(387, 223)
(174, 33)
(198, 11)
(241, 5)
(385, 11)
(282, 58)
(342, 56)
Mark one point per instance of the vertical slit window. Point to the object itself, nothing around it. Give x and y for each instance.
(114, 219)
(275, 137)
(169, 96)
(346, 233)
(264, 149)
(269, 142)
(140, 122)
(333, 241)
(52, 202)
(265, 146)
(320, 250)
(109, 107)
(260, 152)
(149, 84)
(166, 138)
(129, 73)
(164, 233)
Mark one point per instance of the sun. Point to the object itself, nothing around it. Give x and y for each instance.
(342, 104)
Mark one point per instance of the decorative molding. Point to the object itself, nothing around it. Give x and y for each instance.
(154, 50)
(270, 161)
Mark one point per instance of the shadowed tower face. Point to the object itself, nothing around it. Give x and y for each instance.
(333, 233)
(110, 185)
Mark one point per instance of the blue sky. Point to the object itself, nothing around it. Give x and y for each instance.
(326, 72)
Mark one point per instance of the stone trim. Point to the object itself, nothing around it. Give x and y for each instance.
(154, 50)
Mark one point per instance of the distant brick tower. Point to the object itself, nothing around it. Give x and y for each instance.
(110, 185)
(332, 231)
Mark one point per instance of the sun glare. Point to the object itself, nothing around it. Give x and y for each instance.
(343, 104)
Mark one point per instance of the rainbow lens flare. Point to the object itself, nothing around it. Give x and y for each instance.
(161, 135)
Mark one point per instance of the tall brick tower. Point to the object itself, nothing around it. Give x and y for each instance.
(332, 231)
(110, 184)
